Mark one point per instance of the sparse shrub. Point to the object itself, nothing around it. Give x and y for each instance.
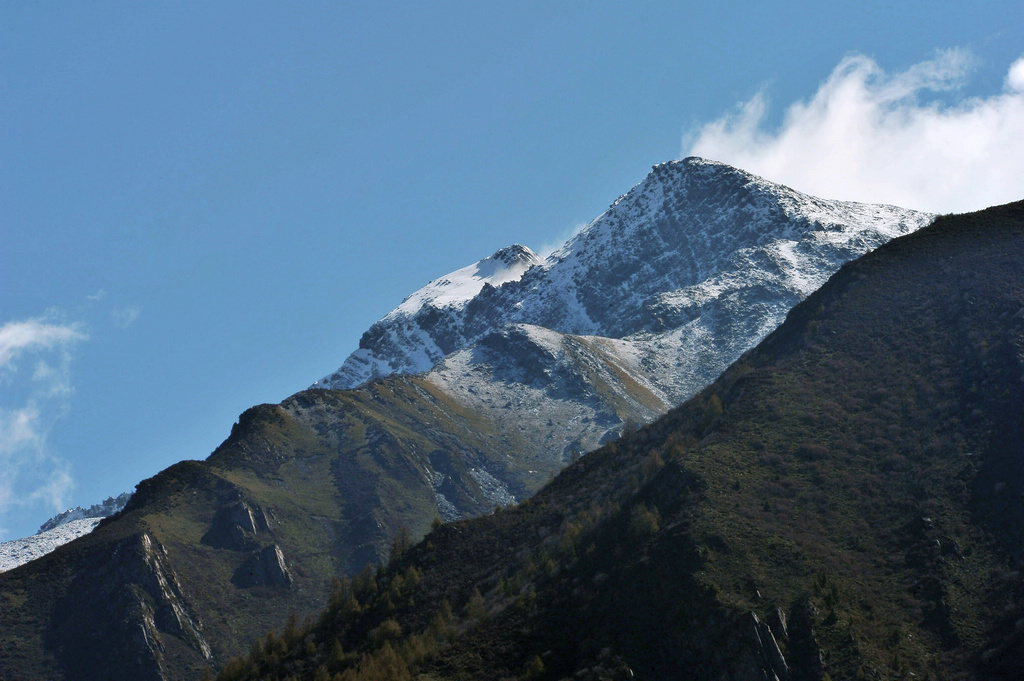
(364, 585)
(535, 668)
(337, 659)
(401, 543)
(236, 668)
(441, 625)
(384, 665)
(712, 410)
(476, 609)
(651, 464)
(388, 630)
(526, 601)
(643, 521)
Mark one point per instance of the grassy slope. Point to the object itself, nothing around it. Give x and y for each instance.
(860, 472)
(337, 473)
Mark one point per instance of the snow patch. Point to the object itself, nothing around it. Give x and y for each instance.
(20, 551)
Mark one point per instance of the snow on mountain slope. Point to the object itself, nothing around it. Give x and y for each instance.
(60, 529)
(109, 507)
(415, 328)
(690, 268)
(568, 393)
(634, 314)
(461, 286)
(20, 551)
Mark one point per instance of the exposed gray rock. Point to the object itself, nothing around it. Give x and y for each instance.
(769, 649)
(266, 567)
(118, 611)
(805, 654)
(235, 526)
(777, 621)
(682, 251)
(759, 657)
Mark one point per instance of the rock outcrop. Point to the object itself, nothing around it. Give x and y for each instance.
(236, 525)
(131, 596)
(266, 567)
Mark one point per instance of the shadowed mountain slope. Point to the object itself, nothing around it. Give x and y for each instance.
(846, 501)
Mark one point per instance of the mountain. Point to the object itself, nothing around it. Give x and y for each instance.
(845, 502)
(541, 361)
(20, 551)
(632, 315)
(690, 268)
(107, 508)
(57, 531)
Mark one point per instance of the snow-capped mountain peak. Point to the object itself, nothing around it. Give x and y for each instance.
(692, 237)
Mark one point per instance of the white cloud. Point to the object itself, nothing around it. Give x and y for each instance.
(18, 428)
(1015, 76)
(34, 334)
(53, 492)
(31, 474)
(867, 135)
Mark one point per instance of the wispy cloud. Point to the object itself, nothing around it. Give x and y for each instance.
(567, 234)
(30, 472)
(868, 135)
(34, 334)
(126, 316)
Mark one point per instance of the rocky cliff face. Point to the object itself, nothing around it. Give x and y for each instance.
(131, 595)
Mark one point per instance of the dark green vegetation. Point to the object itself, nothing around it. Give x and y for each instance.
(845, 502)
(211, 554)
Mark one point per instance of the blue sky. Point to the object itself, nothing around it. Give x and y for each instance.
(203, 205)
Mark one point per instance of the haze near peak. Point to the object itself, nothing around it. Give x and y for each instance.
(872, 136)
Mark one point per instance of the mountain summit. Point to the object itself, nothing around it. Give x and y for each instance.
(694, 265)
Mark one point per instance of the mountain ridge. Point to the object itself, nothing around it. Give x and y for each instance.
(845, 501)
(637, 269)
(213, 553)
(691, 267)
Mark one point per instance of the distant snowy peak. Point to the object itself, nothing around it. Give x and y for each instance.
(691, 236)
(20, 551)
(109, 507)
(59, 530)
